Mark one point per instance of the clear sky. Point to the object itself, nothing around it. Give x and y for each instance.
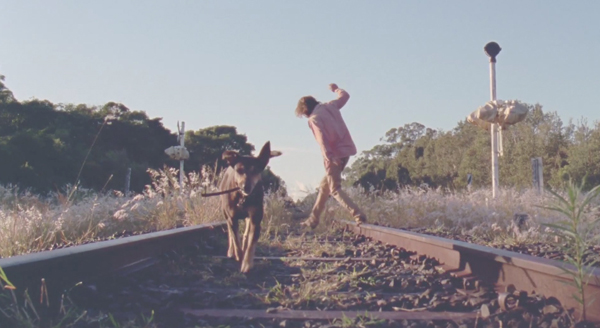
(246, 63)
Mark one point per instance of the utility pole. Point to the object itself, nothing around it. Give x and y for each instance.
(492, 49)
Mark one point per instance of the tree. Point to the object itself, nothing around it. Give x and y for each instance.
(5, 94)
(272, 182)
(207, 145)
(44, 146)
(413, 154)
(383, 168)
(584, 155)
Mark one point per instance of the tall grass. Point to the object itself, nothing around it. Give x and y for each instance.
(30, 223)
(474, 214)
(277, 219)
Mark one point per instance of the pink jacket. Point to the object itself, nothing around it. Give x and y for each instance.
(330, 131)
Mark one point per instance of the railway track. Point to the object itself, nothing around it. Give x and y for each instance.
(352, 276)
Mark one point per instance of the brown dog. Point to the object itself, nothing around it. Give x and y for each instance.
(244, 172)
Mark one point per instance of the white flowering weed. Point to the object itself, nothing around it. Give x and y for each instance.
(30, 223)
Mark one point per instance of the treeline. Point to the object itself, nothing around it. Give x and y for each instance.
(46, 146)
(414, 154)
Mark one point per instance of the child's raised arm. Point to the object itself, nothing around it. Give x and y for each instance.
(342, 97)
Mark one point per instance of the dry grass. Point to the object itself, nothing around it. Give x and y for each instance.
(475, 214)
(30, 223)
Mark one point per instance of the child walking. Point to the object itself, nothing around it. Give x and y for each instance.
(330, 131)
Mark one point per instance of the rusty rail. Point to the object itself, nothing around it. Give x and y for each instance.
(500, 267)
(65, 267)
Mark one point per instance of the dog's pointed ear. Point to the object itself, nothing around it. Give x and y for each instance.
(265, 152)
(231, 157)
(265, 155)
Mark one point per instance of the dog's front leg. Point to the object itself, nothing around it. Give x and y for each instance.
(231, 249)
(230, 253)
(248, 262)
(234, 241)
(245, 236)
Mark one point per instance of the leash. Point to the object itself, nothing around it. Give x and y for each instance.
(221, 192)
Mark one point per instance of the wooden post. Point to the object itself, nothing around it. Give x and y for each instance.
(469, 181)
(127, 181)
(537, 169)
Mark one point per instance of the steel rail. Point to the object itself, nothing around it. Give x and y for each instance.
(496, 266)
(62, 268)
(330, 315)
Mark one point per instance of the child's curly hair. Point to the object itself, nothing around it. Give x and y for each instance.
(306, 105)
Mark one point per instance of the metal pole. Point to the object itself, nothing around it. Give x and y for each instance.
(494, 129)
(182, 143)
(493, 49)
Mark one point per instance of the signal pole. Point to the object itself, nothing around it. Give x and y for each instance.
(492, 49)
